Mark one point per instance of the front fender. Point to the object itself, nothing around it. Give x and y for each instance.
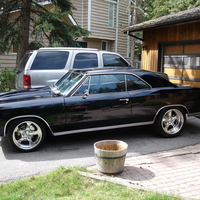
(4, 129)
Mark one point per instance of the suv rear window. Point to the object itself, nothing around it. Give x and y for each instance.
(50, 60)
(110, 60)
(85, 60)
(22, 63)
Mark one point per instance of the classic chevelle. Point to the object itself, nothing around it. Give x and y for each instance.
(91, 100)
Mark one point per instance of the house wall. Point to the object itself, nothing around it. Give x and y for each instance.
(100, 31)
(123, 46)
(8, 60)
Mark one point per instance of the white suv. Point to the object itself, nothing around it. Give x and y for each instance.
(46, 65)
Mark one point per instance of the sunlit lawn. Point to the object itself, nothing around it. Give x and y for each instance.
(67, 183)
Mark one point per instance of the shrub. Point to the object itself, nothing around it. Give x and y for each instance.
(7, 79)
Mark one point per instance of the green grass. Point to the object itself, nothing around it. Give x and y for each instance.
(67, 183)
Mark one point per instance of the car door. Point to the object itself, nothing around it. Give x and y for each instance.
(107, 103)
(145, 101)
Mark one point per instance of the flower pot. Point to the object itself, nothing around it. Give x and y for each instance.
(110, 156)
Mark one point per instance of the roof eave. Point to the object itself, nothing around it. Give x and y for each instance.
(183, 17)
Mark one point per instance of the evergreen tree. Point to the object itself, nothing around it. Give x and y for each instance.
(31, 16)
(158, 8)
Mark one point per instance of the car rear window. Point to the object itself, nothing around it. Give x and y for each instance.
(50, 60)
(155, 81)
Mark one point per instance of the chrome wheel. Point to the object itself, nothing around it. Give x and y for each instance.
(170, 122)
(26, 135)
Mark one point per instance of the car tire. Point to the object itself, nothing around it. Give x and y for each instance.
(26, 135)
(170, 122)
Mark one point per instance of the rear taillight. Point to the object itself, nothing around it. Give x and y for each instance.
(27, 81)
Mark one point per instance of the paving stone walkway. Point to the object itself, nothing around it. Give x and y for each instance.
(175, 172)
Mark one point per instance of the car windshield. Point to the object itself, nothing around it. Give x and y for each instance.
(67, 82)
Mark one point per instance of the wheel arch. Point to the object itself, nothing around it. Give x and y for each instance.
(171, 106)
(46, 125)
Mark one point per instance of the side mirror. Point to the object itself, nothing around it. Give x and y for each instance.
(85, 94)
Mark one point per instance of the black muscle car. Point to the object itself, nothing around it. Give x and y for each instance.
(91, 100)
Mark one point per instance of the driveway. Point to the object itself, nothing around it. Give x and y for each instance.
(77, 149)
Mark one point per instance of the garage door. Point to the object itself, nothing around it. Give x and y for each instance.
(182, 64)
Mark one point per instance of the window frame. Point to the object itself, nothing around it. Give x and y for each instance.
(125, 78)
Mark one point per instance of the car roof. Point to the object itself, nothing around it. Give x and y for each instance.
(150, 77)
(67, 48)
(73, 49)
(109, 70)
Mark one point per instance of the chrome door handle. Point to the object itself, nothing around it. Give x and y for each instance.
(127, 100)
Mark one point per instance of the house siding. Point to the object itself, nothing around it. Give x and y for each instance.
(99, 18)
(123, 46)
(99, 24)
(8, 60)
(80, 14)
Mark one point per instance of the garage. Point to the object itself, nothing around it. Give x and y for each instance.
(182, 64)
(171, 44)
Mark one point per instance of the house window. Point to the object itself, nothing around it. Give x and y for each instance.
(38, 34)
(82, 44)
(104, 45)
(14, 49)
(111, 15)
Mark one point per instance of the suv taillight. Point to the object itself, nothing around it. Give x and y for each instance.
(27, 81)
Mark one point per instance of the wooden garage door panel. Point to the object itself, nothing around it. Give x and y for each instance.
(182, 49)
(191, 73)
(173, 50)
(188, 49)
(173, 71)
(191, 83)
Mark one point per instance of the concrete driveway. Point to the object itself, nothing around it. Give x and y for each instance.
(77, 150)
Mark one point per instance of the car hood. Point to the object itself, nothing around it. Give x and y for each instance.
(26, 94)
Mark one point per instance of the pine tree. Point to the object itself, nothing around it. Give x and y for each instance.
(160, 8)
(33, 17)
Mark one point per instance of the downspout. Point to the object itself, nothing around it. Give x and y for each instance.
(128, 37)
(82, 24)
(117, 26)
(128, 33)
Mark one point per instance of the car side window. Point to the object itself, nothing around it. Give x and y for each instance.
(103, 83)
(50, 60)
(82, 89)
(134, 83)
(110, 60)
(85, 60)
(106, 83)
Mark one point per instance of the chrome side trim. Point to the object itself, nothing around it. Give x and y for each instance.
(194, 114)
(25, 116)
(102, 128)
